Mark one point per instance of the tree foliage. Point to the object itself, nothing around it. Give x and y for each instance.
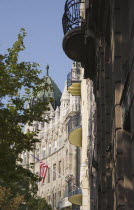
(19, 81)
(36, 204)
(7, 201)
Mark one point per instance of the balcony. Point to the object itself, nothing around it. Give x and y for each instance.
(64, 203)
(75, 130)
(74, 82)
(74, 30)
(74, 193)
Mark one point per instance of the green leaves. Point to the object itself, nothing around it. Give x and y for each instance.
(20, 84)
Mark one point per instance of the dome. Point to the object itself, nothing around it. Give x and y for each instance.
(53, 92)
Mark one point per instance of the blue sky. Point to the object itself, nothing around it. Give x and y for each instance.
(42, 20)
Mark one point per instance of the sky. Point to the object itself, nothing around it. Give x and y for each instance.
(42, 20)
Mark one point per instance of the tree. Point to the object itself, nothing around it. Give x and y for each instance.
(7, 201)
(19, 82)
(36, 204)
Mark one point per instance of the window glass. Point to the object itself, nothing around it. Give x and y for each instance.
(43, 152)
(37, 153)
(54, 172)
(55, 145)
(49, 175)
(25, 158)
(59, 168)
(49, 149)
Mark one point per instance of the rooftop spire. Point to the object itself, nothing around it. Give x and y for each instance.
(47, 68)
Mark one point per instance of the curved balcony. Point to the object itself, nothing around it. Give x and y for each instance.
(74, 30)
(74, 193)
(75, 130)
(74, 83)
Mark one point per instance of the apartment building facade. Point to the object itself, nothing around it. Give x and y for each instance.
(99, 34)
(55, 149)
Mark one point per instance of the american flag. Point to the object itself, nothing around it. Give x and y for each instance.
(43, 171)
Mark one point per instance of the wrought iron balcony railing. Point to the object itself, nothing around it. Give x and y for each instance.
(73, 77)
(74, 123)
(72, 16)
(75, 131)
(74, 192)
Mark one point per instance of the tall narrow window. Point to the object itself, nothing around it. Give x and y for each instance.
(66, 159)
(32, 157)
(63, 166)
(25, 158)
(55, 145)
(49, 199)
(59, 194)
(43, 152)
(37, 153)
(60, 142)
(59, 168)
(54, 172)
(49, 175)
(55, 200)
(49, 149)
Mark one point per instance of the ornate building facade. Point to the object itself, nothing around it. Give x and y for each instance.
(55, 149)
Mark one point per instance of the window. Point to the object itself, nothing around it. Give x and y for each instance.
(37, 153)
(59, 194)
(63, 166)
(36, 127)
(55, 145)
(25, 158)
(49, 149)
(66, 158)
(48, 175)
(55, 200)
(43, 152)
(59, 168)
(49, 199)
(28, 130)
(42, 125)
(54, 172)
(60, 142)
(32, 157)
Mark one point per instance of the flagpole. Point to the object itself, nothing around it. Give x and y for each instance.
(59, 174)
(35, 157)
(53, 170)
